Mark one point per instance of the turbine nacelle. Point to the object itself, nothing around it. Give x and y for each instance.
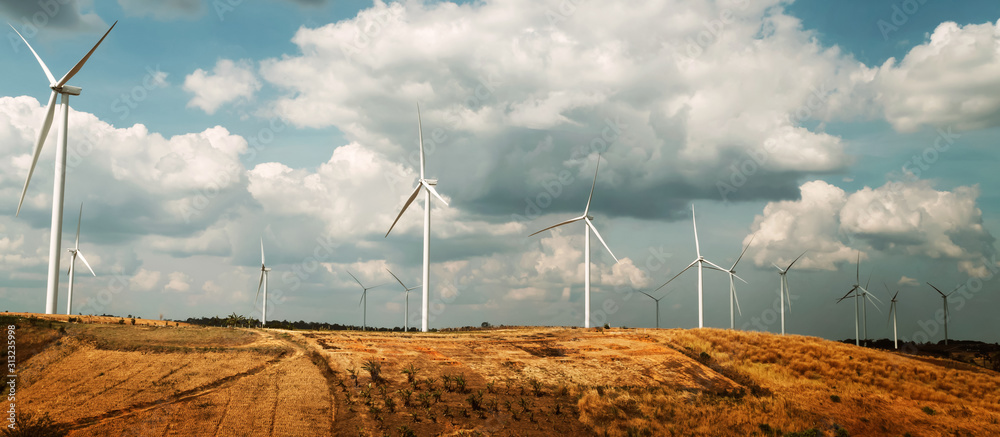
(67, 89)
(430, 181)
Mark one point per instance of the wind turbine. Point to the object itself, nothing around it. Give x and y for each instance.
(864, 305)
(74, 252)
(588, 226)
(892, 315)
(263, 282)
(364, 300)
(784, 293)
(853, 293)
(428, 186)
(406, 308)
(944, 297)
(657, 306)
(700, 260)
(58, 87)
(732, 286)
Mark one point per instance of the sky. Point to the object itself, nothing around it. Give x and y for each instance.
(838, 129)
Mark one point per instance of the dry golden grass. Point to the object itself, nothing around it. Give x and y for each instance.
(813, 384)
(125, 380)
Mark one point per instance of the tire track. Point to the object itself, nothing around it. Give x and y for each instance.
(186, 395)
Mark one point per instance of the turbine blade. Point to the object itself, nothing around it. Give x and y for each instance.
(647, 294)
(848, 294)
(796, 259)
(84, 259)
(675, 276)
(397, 278)
(259, 285)
(45, 68)
(598, 234)
(867, 283)
(405, 205)
(788, 293)
(887, 289)
(872, 296)
(869, 296)
(694, 221)
(857, 272)
(936, 289)
(356, 279)
(78, 220)
(779, 268)
(743, 252)
(597, 167)
(716, 267)
(363, 293)
(894, 296)
(560, 224)
(262, 251)
(44, 132)
(738, 277)
(737, 299)
(420, 134)
(76, 68)
(431, 189)
(956, 289)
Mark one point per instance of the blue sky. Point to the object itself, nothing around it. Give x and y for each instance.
(205, 126)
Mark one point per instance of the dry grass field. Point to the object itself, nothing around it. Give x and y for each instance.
(113, 380)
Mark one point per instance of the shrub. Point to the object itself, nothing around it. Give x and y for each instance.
(411, 373)
(405, 431)
(31, 425)
(121, 321)
(133, 321)
(928, 410)
(835, 398)
(607, 326)
(374, 368)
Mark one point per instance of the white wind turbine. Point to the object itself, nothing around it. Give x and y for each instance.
(428, 186)
(58, 87)
(944, 297)
(406, 308)
(732, 286)
(892, 315)
(364, 300)
(853, 293)
(588, 226)
(865, 298)
(657, 300)
(700, 260)
(784, 293)
(262, 283)
(74, 252)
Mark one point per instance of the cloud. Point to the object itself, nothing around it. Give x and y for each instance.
(164, 9)
(946, 81)
(178, 281)
(144, 280)
(516, 96)
(907, 281)
(32, 18)
(228, 82)
(903, 218)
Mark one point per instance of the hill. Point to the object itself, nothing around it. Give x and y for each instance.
(111, 379)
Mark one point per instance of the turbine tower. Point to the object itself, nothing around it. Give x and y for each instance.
(59, 88)
(588, 226)
(700, 261)
(892, 315)
(657, 306)
(732, 286)
(428, 186)
(406, 308)
(364, 300)
(263, 282)
(853, 293)
(784, 293)
(74, 252)
(944, 297)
